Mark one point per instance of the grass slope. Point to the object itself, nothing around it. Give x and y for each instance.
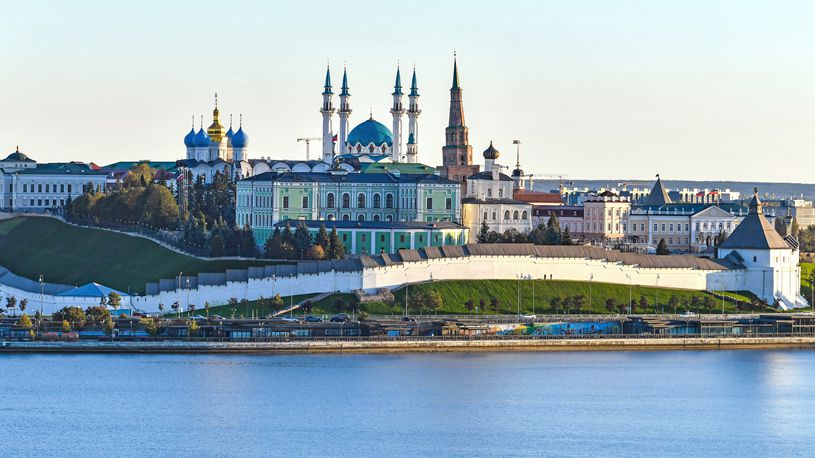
(73, 255)
(806, 270)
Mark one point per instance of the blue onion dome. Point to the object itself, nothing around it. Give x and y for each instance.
(189, 139)
(240, 139)
(491, 153)
(369, 132)
(201, 139)
(230, 132)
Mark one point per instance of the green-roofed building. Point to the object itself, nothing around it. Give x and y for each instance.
(26, 186)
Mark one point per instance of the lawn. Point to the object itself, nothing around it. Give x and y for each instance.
(807, 268)
(30, 246)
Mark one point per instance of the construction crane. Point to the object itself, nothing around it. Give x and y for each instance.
(307, 140)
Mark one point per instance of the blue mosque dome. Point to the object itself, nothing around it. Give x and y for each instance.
(189, 139)
(369, 132)
(201, 139)
(240, 139)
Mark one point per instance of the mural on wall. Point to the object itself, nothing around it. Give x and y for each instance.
(558, 329)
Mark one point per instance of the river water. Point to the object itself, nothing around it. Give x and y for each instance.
(681, 403)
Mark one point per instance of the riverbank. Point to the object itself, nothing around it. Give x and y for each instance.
(428, 345)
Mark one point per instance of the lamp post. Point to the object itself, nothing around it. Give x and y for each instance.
(406, 294)
(656, 302)
(42, 299)
(591, 278)
(519, 276)
(533, 294)
(178, 290)
(630, 281)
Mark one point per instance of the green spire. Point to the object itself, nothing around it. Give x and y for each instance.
(397, 87)
(414, 88)
(344, 89)
(327, 90)
(455, 73)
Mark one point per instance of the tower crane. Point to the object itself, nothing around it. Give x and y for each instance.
(307, 140)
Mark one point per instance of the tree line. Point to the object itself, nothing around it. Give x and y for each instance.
(544, 234)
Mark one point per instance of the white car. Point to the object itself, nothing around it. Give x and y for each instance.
(529, 317)
(689, 314)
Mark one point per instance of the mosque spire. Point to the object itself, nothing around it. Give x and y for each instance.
(327, 81)
(414, 88)
(397, 86)
(344, 89)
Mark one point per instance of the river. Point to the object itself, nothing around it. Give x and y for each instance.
(680, 403)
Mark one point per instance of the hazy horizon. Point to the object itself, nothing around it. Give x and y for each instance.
(719, 90)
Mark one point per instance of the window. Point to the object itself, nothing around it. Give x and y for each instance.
(381, 238)
(39, 188)
(671, 227)
(429, 203)
(69, 188)
(39, 202)
(489, 192)
(329, 200)
(754, 259)
(655, 227)
(305, 201)
(377, 200)
(331, 217)
(346, 218)
(388, 218)
(376, 217)
(364, 237)
(25, 188)
(361, 218)
(47, 188)
(515, 215)
(62, 188)
(344, 237)
(448, 204)
(506, 215)
(524, 216)
(361, 200)
(402, 239)
(285, 201)
(388, 200)
(501, 192)
(663, 227)
(494, 216)
(485, 216)
(346, 200)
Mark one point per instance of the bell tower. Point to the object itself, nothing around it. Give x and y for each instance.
(457, 153)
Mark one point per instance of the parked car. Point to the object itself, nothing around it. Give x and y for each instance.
(529, 317)
(407, 318)
(340, 318)
(218, 317)
(313, 319)
(689, 314)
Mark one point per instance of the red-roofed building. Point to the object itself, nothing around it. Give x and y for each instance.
(538, 198)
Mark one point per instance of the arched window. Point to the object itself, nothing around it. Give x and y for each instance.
(506, 215)
(388, 218)
(515, 215)
(329, 200)
(361, 200)
(361, 218)
(346, 200)
(524, 216)
(377, 200)
(376, 217)
(388, 200)
(346, 218)
(331, 217)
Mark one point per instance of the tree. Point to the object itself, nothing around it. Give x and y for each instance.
(709, 303)
(643, 303)
(434, 301)
(554, 236)
(306, 306)
(673, 302)
(567, 304)
(556, 302)
(97, 314)
(339, 304)
(482, 304)
(25, 322)
(469, 305)
(193, 328)
(75, 316)
(337, 248)
(149, 325)
(114, 300)
(66, 326)
(662, 248)
(611, 304)
(316, 253)
(483, 232)
(273, 247)
(579, 302)
(216, 246)
(322, 239)
(567, 237)
(494, 304)
(11, 302)
(176, 306)
(23, 304)
(302, 240)
(277, 302)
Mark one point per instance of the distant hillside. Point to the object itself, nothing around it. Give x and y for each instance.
(768, 190)
(74, 256)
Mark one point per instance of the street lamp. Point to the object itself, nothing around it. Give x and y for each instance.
(591, 277)
(662, 310)
(533, 294)
(519, 276)
(630, 281)
(406, 294)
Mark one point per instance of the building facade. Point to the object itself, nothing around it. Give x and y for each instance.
(391, 197)
(27, 186)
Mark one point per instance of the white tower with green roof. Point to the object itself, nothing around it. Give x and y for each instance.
(413, 113)
(397, 111)
(328, 112)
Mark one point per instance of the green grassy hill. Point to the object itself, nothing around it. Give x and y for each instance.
(806, 270)
(72, 255)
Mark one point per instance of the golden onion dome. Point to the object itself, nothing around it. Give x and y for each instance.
(216, 130)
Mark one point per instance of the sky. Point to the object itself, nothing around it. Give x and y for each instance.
(697, 89)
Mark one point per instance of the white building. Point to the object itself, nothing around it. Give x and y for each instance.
(769, 261)
(488, 198)
(26, 186)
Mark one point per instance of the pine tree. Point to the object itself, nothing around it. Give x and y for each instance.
(483, 233)
(302, 240)
(336, 248)
(322, 239)
(662, 248)
(554, 236)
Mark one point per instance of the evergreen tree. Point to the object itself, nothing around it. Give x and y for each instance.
(288, 237)
(483, 233)
(554, 236)
(302, 240)
(336, 249)
(248, 245)
(567, 237)
(322, 239)
(272, 248)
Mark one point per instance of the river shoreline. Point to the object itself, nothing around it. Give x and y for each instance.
(418, 346)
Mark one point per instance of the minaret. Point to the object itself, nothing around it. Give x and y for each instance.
(397, 111)
(344, 111)
(413, 121)
(328, 111)
(457, 154)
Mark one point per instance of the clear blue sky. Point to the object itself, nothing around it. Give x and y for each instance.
(689, 89)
